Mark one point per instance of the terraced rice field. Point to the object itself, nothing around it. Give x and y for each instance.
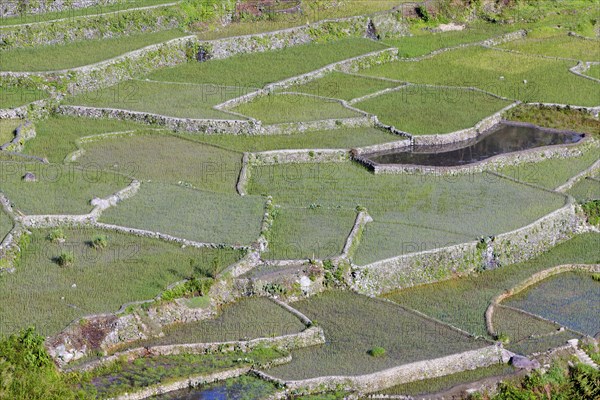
(561, 46)
(7, 129)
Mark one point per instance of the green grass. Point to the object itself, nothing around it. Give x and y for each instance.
(77, 54)
(185, 100)
(551, 173)
(191, 214)
(421, 110)
(569, 298)
(166, 158)
(557, 118)
(79, 12)
(15, 96)
(558, 46)
(56, 135)
(343, 138)
(518, 326)
(7, 129)
(310, 233)
(547, 80)
(459, 207)
(131, 268)
(435, 385)
(586, 190)
(245, 387)
(246, 319)
(282, 64)
(6, 225)
(59, 189)
(353, 324)
(462, 301)
(342, 86)
(279, 108)
(594, 71)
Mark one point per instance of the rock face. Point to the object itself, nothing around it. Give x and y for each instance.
(522, 362)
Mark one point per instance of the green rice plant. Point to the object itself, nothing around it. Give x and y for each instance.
(99, 242)
(462, 301)
(7, 129)
(557, 46)
(66, 259)
(57, 235)
(343, 138)
(166, 158)
(279, 108)
(515, 76)
(352, 323)
(592, 211)
(282, 64)
(77, 54)
(130, 269)
(594, 71)
(191, 214)
(185, 100)
(377, 351)
(422, 110)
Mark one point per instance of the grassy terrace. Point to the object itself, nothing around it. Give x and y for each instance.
(56, 135)
(7, 129)
(569, 298)
(80, 12)
(130, 268)
(585, 190)
(6, 224)
(354, 324)
(421, 110)
(594, 71)
(462, 301)
(11, 97)
(342, 86)
(191, 214)
(453, 209)
(344, 138)
(59, 189)
(547, 80)
(202, 166)
(185, 100)
(295, 237)
(556, 118)
(279, 108)
(77, 54)
(282, 64)
(558, 46)
(249, 318)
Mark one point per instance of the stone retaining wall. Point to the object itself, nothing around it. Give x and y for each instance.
(275, 157)
(10, 8)
(23, 133)
(400, 144)
(581, 68)
(353, 239)
(439, 264)
(328, 124)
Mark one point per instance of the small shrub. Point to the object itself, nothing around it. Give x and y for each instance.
(66, 258)
(99, 242)
(596, 277)
(56, 236)
(377, 352)
(502, 337)
(274, 288)
(592, 211)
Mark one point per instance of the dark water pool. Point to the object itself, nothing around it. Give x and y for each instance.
(241, 388)
(503, 138)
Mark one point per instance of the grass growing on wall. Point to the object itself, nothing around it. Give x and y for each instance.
(59, 189)
(77, 54)
(280, 108)
(184, 101)
(166, 158)
(547, 80)
(281, 64)
(343, 138)
(130, 268)
(56, 135)
(191, 214)
(421, 110)
(244, 387)
(558, 46)
(354, 324)
(462, 301)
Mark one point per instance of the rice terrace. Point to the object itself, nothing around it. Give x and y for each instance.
(299, 199)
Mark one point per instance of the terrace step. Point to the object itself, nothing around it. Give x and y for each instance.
(582, 355)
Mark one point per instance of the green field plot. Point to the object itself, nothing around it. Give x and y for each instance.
(557, 118)
(77, 54)
(245, 387)
(129, 268)
(343, 138)
(558, 46)
(143, 372)
(585, 190)
(342, 86)
(498, 72)
(59, 189)
(594, 71)
(354, 324)
(435, 385)
(422, 110)
(16, 96)
(570, 298)
(518, 326)
(7, 129)
(249, 318)
(185, 100)
(473, 205)
(166, 158)
(462, 301)
(56, 136)
(317, 233)
(191, 214)
(282, 64)
(544, 343)
(279, 108)
(551, 173)
(6, 224)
